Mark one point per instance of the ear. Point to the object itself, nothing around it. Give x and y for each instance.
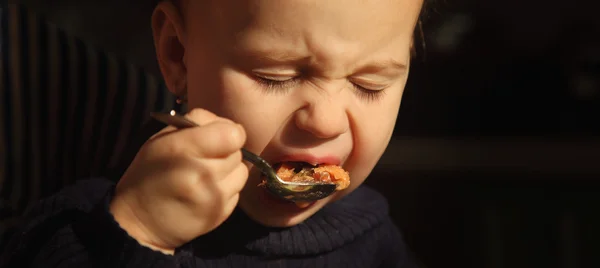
(168, 29)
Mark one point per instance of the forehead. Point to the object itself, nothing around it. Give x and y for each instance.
(233, 16)
(327, 28)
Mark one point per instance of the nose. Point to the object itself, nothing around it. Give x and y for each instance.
(323, 118)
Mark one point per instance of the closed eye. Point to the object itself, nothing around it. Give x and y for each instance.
(283, 83)
(275, 82)
(368, 90)
(368, 94)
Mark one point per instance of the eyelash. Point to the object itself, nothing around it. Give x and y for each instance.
(283, 86)
(367, 94)
(272, 85)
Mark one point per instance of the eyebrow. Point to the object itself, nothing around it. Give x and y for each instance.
(273, 57)
(391, 64)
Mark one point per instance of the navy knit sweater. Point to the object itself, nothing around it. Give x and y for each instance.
(75, 229)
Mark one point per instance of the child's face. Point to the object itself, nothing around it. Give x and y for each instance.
(310, 80)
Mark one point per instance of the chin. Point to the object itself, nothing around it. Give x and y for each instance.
(270, 211)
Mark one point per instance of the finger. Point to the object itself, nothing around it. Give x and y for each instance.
(203, 117)
(221, 167)
(235, 181)
(231, 203)
(215, 140)
(163, 132)
(199, 116)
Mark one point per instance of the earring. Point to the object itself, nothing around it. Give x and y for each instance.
(181, 100)
(181, 103)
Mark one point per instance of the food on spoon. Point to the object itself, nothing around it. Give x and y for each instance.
(303, 172)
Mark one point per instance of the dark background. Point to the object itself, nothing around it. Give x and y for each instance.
(496, 152)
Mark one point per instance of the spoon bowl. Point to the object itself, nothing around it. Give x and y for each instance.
(290, 191)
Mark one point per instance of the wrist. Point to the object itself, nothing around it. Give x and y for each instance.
(131, 224)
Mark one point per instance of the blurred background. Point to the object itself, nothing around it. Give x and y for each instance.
(496, 156)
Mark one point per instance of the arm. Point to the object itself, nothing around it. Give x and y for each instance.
(75, 229)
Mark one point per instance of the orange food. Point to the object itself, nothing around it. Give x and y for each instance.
(333, 173)
(294, 172)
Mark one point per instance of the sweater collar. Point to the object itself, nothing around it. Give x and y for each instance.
(334, 226)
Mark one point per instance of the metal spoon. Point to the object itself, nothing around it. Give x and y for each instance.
(291, 191)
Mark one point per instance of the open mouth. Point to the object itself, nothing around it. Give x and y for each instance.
(308, 173)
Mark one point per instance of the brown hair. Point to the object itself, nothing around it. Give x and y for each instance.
(419, 34)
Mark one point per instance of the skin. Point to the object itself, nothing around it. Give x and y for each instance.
(310, 80)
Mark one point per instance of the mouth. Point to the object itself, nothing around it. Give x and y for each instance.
(306, 169)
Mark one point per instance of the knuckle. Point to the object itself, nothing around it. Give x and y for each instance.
(236, 180)
(194, 184)
(232, 203)
(233, 134)
(204, 172)
(223, 135)
(171, 149)
(162, 147)
(224, 120)
(214, 210)
(243, 171)
(199, 113)
(187, 191)
(185, 187)
(242, 177)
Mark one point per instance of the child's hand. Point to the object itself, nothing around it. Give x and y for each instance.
(182, 183)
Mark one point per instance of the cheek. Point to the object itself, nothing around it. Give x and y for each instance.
(372, 128)
(235, 96)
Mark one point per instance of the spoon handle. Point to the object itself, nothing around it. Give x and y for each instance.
(173, 119)
(258, 162)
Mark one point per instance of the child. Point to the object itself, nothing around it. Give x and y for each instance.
(297, 80)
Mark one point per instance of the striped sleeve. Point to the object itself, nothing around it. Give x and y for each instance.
(67, 110)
